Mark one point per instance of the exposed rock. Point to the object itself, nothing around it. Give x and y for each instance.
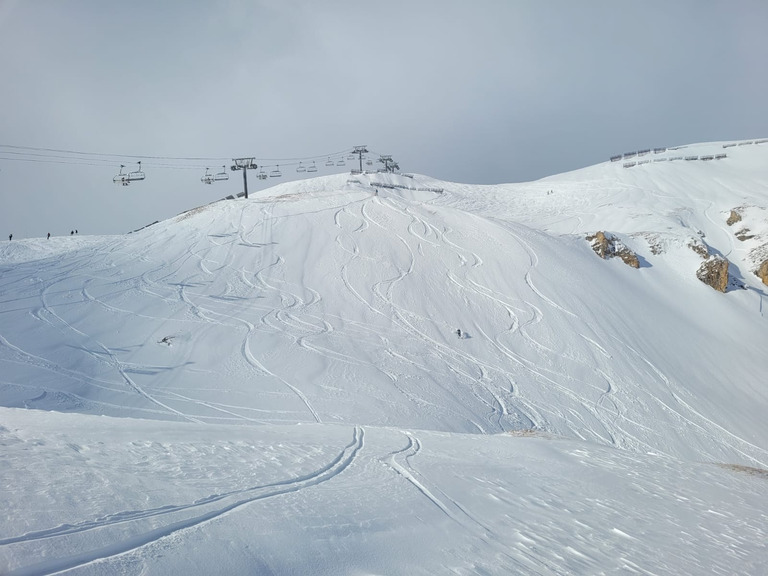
(714, 273)
(733, 218)
(600, 245)
(762, 272)
(628, 257)
(699, 247)
(744, 234)
(607, 246)
(654, 241)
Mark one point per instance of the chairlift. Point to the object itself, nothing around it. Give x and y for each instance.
(276, 172)
(262, 175)
(207, 178)
(312, 168)
(221, 176)
(121, 178)
(301, 168)
(341, 162)
(369, 162)
(136, 174)
(351, 157)
(329, 162)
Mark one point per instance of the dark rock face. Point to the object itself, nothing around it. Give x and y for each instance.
(744, 234)
(600, 244)
(714, 272)
(607, 246)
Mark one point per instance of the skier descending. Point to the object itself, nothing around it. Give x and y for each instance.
(458, 332)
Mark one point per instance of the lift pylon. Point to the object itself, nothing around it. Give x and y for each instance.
(244, 164)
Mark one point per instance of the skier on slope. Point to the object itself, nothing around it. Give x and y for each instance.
(458, 332)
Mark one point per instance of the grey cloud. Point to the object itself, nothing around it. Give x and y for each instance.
(488, 91)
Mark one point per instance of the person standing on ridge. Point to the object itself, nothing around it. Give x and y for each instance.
(49, 235)
(10, 237)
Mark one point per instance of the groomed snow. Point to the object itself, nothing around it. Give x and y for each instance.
(276, 386)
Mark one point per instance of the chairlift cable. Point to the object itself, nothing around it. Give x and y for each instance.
(85, 163)
(17, 153)
(105, 155)
(210, 159)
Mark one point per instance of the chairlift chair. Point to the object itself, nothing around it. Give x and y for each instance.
(276, 172)
(369, 162)
(136, 174)
(312, 168)
(121, 178)
(340, 162)
(301, 168)
(329, 162)
(207, 178)
(262, 175)
(221, 176)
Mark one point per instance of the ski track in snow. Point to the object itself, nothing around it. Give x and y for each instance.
(498, 407)
(249, 356)
(93, 348)
(531, 414)
(706, 426)
(383, 290)
(401, 462)
(142, 533)
(447, 353)
(407, 472)
(289, 300)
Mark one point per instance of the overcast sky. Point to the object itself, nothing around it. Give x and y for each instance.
(481, 91)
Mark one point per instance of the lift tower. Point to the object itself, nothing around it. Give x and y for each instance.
(360, 150)
(389, 164)
(244, 164)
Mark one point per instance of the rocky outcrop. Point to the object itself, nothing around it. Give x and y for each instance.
(744, 234)
(714, 272)
(628, 257)
(607, 246)
(699, 247)
(655, 245)
(762, 272)
(600, 245)
(733, 218)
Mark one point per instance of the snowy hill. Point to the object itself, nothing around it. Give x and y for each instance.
(589, 415)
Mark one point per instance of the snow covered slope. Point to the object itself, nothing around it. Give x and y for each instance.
(152, 497)
(334, 303)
